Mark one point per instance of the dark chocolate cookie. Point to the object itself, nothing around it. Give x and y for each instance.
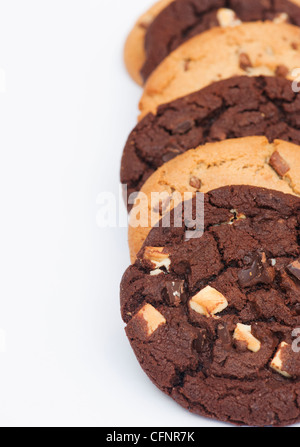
(212, 319)
(233, 108)
(184, 19)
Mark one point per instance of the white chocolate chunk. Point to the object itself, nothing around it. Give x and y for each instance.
(281, 18)
(153, 318)
(243, 333)
(277, 364)
(156, 272)
(260, 70)
(208, 302)
(227, 17)
(156, 256)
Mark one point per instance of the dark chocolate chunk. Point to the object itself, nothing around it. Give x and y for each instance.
(224, 336)
(175, 292)
(297, 309)
(200, 342)
(195, 182)
(279, 164)
(294, 269)
(245, 61)
(291, 286)
(260, 272)
(184, 127)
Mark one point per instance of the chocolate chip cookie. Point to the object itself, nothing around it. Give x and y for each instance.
(243, 161)
(188, 18)
(252, 49)
(237, 107)
(212, 319)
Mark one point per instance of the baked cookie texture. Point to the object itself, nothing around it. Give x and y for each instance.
(188, 18)
(134, 50)
(211, 319)
(250, 49)
(242, 161)
(233, 108)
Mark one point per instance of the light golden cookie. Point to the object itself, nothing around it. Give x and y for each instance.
(252, 48)
(151, 40)
(242, 161)
(184, 19)
(134, 51)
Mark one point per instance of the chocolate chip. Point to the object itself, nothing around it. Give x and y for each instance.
(175, 293)
(279, 164)
(294, 45)
(224, 335)
(200, 342)
(245, 61)
(184, 127)
(294, 269)
(162, 206)
(291, 286)
(281, 71)
(297, 308)
(260, 272)
(186, 64)
(195, 182)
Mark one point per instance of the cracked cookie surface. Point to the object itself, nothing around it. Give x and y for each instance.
(213, 327)
(188, 18)
(271, 49)
(236, 107)
(241, 161)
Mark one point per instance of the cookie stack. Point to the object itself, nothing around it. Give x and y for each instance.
(212, 301)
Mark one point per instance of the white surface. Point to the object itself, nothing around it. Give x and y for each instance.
(64, 118)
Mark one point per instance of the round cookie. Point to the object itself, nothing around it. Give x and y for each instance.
(242, 161)
(249, 49)
(188, 18)
(134, 50)
(232, 108)
(211, 319)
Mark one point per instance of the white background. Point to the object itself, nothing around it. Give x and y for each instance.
(64, 119)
